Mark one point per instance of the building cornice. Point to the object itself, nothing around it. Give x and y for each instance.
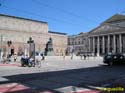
(57, 33)
(23, 18)
(106, 34)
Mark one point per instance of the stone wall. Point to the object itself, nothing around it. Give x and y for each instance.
(78, 43)
(18, 30)
(59, 43)
(18, 24)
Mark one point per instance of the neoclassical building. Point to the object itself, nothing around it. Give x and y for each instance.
(108, 36)
(18, 30)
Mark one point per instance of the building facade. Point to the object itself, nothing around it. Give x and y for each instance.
(19, 30)
(78, 44)
(109, 36)
(59, 42)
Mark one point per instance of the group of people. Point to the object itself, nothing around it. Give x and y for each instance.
(6, 58)
(30, 61)
(81, 56)
(86, 56)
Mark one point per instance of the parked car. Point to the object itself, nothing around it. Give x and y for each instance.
(112, 59)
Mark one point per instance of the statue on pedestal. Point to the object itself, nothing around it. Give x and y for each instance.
(49, 48)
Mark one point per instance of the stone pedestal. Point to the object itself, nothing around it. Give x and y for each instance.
(50, 53)
(49, 48)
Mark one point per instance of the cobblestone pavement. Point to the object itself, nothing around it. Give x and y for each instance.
(61, 76)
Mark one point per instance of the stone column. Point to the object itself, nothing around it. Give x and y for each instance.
(120, 43)
(114, 40)
(98, 46)
(103, 44)
(89, 39)
(93, 44)
(108, 43)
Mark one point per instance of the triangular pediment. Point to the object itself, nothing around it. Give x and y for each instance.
(106, 28)
(115, 18)
(114, 23)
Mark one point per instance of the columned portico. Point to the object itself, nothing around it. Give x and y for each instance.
(103, 44)
(109, 36)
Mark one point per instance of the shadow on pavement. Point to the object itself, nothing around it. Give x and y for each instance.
(84, 77)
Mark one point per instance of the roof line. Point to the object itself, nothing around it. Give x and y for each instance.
(22, 18)
(57, 33)
(108, 20)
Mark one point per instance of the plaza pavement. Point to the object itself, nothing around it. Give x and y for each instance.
(58, 75)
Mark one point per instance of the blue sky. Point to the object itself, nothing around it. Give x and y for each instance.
(67, 16)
